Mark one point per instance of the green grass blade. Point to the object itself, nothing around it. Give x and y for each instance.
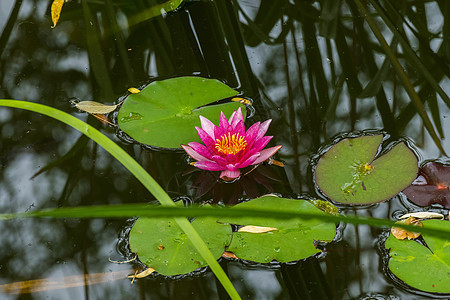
(403, 77)
(138, 171)
(156, 211)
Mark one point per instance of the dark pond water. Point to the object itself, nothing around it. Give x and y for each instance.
(308, 83)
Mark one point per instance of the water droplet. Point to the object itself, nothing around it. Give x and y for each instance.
(132, 117)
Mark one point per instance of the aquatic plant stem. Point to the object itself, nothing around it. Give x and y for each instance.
(139, 172)
(402, 75)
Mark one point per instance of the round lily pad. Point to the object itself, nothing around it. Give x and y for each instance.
(286, 240)
(162, 245)
(165, 113)
(426, 269)
(349, 173)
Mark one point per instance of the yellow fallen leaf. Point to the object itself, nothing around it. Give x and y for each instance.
(56, 10)
(142, 274)
(423, 215)
(134, 90)
(94, 107)
(402, 234)
(256, 229)
(242, 100)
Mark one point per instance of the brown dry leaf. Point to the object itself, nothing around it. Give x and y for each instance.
(94, 107)
(256, 229)
(227, 254)
(423, 215)
(402, 234)
(104, 119)
(56, 10)
(272, 161)
(142, 274)
(134, 90)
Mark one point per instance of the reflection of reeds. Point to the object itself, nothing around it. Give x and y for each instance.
(337, 29)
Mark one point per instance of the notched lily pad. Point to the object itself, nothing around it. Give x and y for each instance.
(162, 245)
(431, 186)
(165, 113)
(294, 239)
(350, 173)
(410, 261)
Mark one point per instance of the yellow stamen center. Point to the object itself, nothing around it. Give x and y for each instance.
(230, 143)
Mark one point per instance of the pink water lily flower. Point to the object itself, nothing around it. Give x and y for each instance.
(228, 147)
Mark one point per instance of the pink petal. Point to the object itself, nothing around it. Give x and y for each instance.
(236, 117)
(251, 133)
(266, 153)
(248, 154)
(223, 122)
(207, 126)
(263, 129)
(220, 160)
(209, 166)
(229, 175)
(218, 132)
(192, 153)
(239, 128)
(206, 138)
(202, 150)
(250, 161)
(261, 143)
(233, 158)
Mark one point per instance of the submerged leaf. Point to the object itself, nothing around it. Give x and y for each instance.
(94, 107)
(431, 186)
(326, 207)
(56, 10)
(401, 233)
(350, 173)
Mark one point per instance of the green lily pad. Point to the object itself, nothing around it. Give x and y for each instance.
(426, 269)
(162, 245)
(165, 113)
(349, 173)
(293, 240)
